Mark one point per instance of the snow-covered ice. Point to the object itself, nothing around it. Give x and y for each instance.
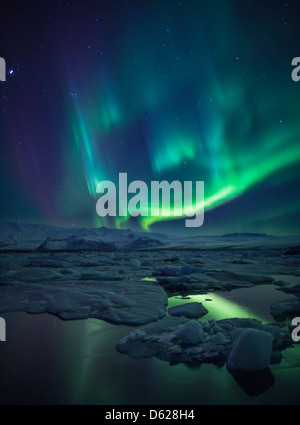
(125, 277)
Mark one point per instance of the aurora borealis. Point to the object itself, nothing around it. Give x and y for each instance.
(161, 90)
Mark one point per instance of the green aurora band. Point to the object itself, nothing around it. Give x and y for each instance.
(189, 108)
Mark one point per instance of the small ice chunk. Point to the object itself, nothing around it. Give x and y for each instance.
(191, 332)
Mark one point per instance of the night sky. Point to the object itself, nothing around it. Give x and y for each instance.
(174, 90)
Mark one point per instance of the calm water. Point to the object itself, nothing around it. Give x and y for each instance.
(47, 360)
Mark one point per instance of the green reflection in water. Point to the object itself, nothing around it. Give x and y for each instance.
(149, 279)
(219, 307)
(98, 359)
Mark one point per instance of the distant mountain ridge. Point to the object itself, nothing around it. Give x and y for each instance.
(46, 238)
(246, 235)
(51, 238)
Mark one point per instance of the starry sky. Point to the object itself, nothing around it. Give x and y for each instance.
(160, 90)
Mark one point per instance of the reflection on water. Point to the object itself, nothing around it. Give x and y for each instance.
(246, 302)
(149, 279)
(47, 360)
(218, 306)
(254, 383)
